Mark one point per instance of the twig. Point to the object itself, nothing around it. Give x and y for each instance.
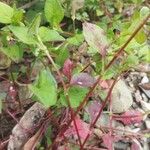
(28, 5)
(100, 111)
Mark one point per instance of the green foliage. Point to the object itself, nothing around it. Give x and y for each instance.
(14, 52)
(54, 12)
(77, 39)
(34, 26)
(17, 16)
(131, 61)
(47, 34)
(76, 95)
(144, 53)
(110, 73)
(140, 37)
(144, 11)
(6, 13)
(62, 55)
(21, 32)
(45, 88)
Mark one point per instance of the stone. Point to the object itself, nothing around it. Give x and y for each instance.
(121, 145)
(147, 123)
(103, 120)
(138, 96)
(121, 97)
(144, 80)
(145, 106)
(28, 122)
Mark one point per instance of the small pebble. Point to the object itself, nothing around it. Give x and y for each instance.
(135, 130)
(147, 123)
(121, 145)
(128, 79)
(121, 97)
(138, 96)
(143, 74)
(146, 144)
(98, 132)
(134, 105)
(120, 130)
(134, 78)
(134, 73)
(144, 97)
(131, 84)
(144, 80)
(145, 106)
(127, 128)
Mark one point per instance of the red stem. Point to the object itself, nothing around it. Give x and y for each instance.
(100, 111)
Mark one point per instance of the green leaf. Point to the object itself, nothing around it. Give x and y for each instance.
(13, 52)
(132, 60)
(62, 56)
(76, 40)
(34, 26)
(6, 13)
(137, 1)
(30, 14)
(109, 73)
(17, 16)
(140, 37)
(144, 53)
(76, 95)
(144, 11)
(54, 12)
(45, 88)
(49, 35)
(22, 34)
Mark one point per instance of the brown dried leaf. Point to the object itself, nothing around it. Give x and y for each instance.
(31, 143)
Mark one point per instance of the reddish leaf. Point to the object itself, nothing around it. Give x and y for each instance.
(67, 68)
(82, 79)
(31, 143)
(108, 141)
(95, 37)
(130, 117)
(83, 129)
